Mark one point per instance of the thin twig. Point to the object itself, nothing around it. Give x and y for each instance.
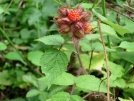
(107, 66)
(64, 42)
(90, 62)
(87, 95)
(122, 14)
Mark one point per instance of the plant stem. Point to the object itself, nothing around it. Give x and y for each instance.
(107, 66)
(13, 45)
(76, 45)
(81, 69)
(104, 14)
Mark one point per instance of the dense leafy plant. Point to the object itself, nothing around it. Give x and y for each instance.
(51, 66)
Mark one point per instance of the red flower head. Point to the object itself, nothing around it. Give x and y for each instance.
(75, 21)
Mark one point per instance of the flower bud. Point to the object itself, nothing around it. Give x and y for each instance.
(79, 34)
(88, 29)
(65, 29)
(85, 16)
(63, 11)
(78, 25)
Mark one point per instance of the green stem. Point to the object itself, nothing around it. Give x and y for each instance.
(104, 14)
(95, 3)
(3, 32)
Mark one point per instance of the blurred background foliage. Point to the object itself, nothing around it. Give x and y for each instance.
(24, 21)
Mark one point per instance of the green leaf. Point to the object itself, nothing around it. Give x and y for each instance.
(119, 82)
(60, 96)
(32, 14)
(30, 79)
(129, 24)
(97, 46)
(93, 36)
(128, 56)
(116, 70)
(51, 40)
(97, 61)
(3, 46)
(32, 92)
(121, 99)
(53, 63)
(16, 99)
(106, 29)
(86, 5)
(1, 10)
(34, 57)
(13, 56)
(25, 33)
(65, 79)
(90, 83)
(42, 85)
(76, 98)
(121, 30)
(5, 78)
(127, 45)
(43, 96)
(63, 96)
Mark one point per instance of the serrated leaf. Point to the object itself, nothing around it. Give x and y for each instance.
(30, 79)
(13, 56)
(65, 79)
(127, 45)
(33, 92)
(3, 46)
(60, 96)
(34, 57)
(90, 83)
(63, 96)
(52, 40)
(53, 63)
(121, 30)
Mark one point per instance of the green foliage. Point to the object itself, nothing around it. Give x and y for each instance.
(39, 64)
(2, 46)
(53, 63)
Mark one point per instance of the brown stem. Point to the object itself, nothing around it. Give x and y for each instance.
(81, 69)
(122, 14)
(87, 95)
(76, 45)
(107, 66)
